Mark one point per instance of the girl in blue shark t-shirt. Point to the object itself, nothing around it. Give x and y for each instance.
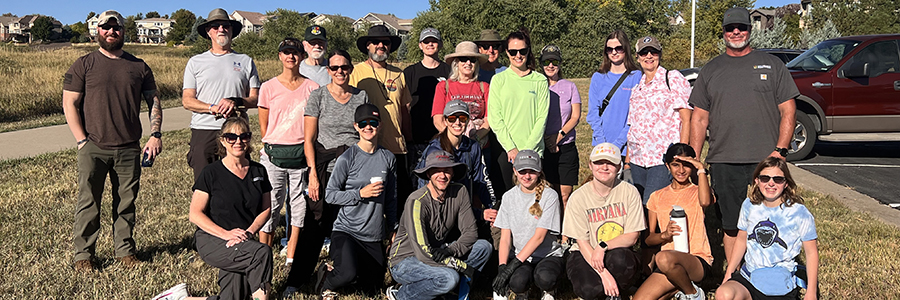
(774, 225)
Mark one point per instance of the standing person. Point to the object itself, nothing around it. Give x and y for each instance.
(489, 43)
(773, 226)
(102, 94)
(530, 224)
(658, 116)
(437, 238)
(605, 218)
(678, 271)
(216, 82)
(328, 128)
(464, 85)
(561, 155)
(281, 101)
(229, 205)
(745, 99)
(422, 78)
(520, 103)
(364, 187)
(610, 89)
(315, 44)
(386, 87)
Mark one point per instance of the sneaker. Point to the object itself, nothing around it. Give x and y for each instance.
(289, 292)
(283, 252)
(548, 295)
(391, 292)
(128, 261)
(177, 292)
(499, 297)
(679, 295)
(84, 265)
(329, 295)
(699, 295)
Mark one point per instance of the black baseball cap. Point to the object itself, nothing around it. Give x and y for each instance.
(367, 111)
(315, 32)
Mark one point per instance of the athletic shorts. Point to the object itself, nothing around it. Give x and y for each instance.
(730, 182)
(562, 167)
(757, 295)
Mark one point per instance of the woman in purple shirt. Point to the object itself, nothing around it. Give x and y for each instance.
(561, 155)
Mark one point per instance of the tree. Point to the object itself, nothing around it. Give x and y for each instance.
(774, 37)
(9, 15)
(130, 29)
(139, 16)
(811, 37)
(42, 28)
(79, 32)
(184, 21)
(152, 14)
(286, 23)
(90, 15)
(194, 35)
(858, 17)
(342, 36)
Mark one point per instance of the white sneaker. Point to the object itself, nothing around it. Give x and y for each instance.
(177, 292)
(498, 296)
(283, 251)
(289, 292)
(699, 295)
(548, 296)
(391, 292)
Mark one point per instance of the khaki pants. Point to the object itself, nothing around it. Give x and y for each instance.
(124, 169)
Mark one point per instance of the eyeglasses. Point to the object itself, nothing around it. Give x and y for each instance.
(514, 52)
(617, 49)
(462, 118)
(216, 25)
(341, 67)
(766, 178)
(488, 46)
(108, 27)
(362, 124)
(548, 62)
(383, 42)
(232, 138)
(467, 59)
(648, 50)
(741, 27)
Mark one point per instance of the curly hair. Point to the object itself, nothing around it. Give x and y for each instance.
(241, 124)
(789, 195)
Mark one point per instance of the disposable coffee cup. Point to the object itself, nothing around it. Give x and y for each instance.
(376, 179)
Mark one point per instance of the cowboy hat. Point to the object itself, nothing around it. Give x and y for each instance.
(377, 31)
(219, 14)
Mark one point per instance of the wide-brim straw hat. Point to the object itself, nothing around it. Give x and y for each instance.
(219, 14)
(377, 31)
(466, 49)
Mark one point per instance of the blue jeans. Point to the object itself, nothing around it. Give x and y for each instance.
(649, 180)
(421, 281)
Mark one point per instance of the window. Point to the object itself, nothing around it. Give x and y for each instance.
(881, 57)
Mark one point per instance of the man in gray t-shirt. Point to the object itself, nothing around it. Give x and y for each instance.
(746, 100)
(213, 82)
(315, 43)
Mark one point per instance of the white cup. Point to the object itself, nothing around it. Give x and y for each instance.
(376, 179)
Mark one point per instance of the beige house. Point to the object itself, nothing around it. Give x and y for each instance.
(153, 30)
(400, 27)
(324, 18)
(252, 21)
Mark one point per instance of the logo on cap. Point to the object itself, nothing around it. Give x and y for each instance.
(316, 30)
(647, 39)
(375, 113)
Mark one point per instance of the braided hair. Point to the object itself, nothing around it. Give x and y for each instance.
(535, 209)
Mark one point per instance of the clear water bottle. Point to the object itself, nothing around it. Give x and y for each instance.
(681, 240)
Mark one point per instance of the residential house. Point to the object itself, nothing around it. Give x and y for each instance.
(153, 30)
(252, 21)
(805, 12)
(762, 18)
(324, 18)
(400, 27)
(19, 29)
(92, 26)
(9, 26)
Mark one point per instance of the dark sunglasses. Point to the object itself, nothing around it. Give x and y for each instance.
(225, 25)
(646, 51)
(618, 49)
(341, 67)
(232, 138)
(362, 124)
(548, 62)
(462, 118)
(488, 46)
(741, 27)
(108, 27)
(514, 52)
(467, 59)
(383, 42)
(766, 178)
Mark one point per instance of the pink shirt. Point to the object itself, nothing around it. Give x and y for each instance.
(653, 116)
(286, 110)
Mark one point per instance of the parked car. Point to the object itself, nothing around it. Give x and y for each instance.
(847, 85)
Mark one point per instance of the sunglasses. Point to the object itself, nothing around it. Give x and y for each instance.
(741, 27)
(462, 118)
(549, 62)
(617, 49)
(766, 178)
(488, 46)
(646, 51)
(341, 67)
(514, 52)
(467, 59)
(108, 27)
(382, 42)
(362, 124)
(225, 25)
(232, 138)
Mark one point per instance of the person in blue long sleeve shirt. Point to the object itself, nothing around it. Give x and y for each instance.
(612, 126)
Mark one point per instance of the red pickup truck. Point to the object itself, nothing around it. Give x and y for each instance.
(847, 85)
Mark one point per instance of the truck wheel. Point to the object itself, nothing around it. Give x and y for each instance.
(804, 138)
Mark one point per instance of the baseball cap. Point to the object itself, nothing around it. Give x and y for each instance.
(429, 32)
(456, 106)
(527, 160)
(366, 111)
(606, 151)
(110, 14)
(550, 52)
(736, 15)
(290, 43)
(647, 41)
(315, 32)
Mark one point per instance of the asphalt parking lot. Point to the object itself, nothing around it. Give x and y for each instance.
(871, 168)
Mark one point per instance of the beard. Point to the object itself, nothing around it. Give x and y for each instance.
(316, 54)
(223, 40)
(739, 45)
(379, 58)
(114, 46)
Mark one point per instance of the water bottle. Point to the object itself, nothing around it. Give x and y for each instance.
(680, 218)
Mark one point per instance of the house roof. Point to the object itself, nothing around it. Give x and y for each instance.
(334, 17)
(389, 20)
(766, 12)
(155, 20)
(255, 18)
(6, 20)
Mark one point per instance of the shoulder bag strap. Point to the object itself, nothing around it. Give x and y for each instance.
(612, 92)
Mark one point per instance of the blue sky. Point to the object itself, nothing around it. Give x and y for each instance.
(68, 11)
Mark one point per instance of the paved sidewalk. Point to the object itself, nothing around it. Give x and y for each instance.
(36, 141)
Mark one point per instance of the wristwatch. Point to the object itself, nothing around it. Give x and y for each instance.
(782, 151)
(563, 133)
(156, 134)
(603, 245)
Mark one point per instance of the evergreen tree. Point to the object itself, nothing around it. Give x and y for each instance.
(774, 37)
(810, 37)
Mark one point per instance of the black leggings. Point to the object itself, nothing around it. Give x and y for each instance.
(354, 258)
(545, 274)
(622, 263)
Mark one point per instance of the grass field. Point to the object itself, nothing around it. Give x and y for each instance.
(858, 253)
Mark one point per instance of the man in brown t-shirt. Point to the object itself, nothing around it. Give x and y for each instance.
(102, 94)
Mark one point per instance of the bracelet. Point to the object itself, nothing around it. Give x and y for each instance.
(85, 140)
(701, 171)
(210, 109)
